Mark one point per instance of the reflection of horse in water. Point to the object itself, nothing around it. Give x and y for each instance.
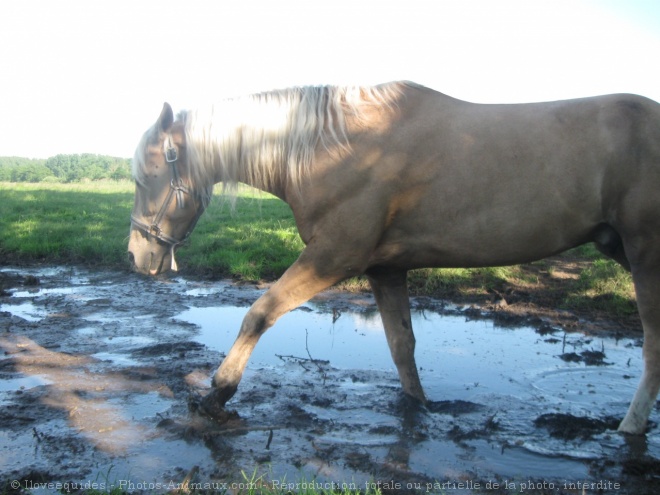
(386, 179)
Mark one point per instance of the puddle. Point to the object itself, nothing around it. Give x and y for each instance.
(26, 311)
(21, 383)
(509, 370)
(301, 333)
(43, 292)
(457, 358)
(102, 369)
(115, 358)
(148, 405)
(131, 341)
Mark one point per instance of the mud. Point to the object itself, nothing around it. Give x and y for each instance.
(101, 373)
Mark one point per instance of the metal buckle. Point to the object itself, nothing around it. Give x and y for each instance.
(171, 154)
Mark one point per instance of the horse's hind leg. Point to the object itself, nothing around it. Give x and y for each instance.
(391, 293)
(646, 276)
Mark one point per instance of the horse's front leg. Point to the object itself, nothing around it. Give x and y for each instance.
(304, 279)
(391, 291)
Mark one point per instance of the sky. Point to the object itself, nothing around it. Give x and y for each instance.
(80, 76)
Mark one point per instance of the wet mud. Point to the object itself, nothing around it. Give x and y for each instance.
(101, 374)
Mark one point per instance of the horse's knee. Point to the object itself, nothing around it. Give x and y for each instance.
(255, 323)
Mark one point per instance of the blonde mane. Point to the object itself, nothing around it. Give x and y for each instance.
(261, 139)
(264, 138)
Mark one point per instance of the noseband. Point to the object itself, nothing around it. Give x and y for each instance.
(177, 189)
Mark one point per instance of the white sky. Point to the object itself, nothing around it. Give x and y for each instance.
(81, 76)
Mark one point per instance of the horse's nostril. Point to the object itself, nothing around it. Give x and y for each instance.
(131, 258)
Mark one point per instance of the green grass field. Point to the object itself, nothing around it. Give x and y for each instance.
(88, 223)
(64, 223)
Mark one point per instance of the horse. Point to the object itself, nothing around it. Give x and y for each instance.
(389, 178)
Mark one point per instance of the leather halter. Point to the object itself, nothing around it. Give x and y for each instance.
(177, 189)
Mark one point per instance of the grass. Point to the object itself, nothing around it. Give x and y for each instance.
(88, 223)
(258, 240)
(64, 223)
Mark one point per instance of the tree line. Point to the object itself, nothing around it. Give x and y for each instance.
(64, 168)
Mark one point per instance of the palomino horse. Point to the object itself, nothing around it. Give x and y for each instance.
(386, 179)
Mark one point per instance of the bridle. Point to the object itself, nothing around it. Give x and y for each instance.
(178, 190)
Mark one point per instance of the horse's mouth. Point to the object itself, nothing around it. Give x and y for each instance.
(153, 265)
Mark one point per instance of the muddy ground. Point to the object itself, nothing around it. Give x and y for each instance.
(101, 372)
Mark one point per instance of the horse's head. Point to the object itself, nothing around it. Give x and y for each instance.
(166, 204)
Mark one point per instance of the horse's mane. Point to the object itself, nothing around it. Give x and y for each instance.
(262, 138)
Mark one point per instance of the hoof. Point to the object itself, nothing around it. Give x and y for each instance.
(415, 400)
(213, 406)
(406, 404)
(222, 390)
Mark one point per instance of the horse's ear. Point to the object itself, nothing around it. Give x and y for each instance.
(166, 118)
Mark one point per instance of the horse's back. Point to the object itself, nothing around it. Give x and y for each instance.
(473, 184)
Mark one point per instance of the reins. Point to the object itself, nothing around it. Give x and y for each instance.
(177, 189)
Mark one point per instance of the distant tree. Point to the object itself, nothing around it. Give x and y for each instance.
(17, 169)
(33, 172)
(65, 168)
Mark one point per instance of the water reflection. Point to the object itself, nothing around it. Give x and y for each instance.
(458, 358)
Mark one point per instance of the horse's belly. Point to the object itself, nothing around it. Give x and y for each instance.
(473, 247)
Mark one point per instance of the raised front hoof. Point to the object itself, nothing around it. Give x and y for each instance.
(213, 406)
